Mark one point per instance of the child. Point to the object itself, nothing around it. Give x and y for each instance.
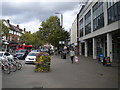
(76, 59)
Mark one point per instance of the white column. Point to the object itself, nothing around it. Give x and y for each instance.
(105, 13)
(94, 49)
(86, 48)
(80, 47)
(104, 47)
(109, 45)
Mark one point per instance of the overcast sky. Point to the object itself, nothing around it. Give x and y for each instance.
(29, 14)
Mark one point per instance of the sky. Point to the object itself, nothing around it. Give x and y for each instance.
(30, 13)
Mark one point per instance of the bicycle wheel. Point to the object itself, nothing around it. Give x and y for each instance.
(13, 67)
(19, 66)
(6, 69)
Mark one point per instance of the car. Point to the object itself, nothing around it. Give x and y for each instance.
(44, 50)
(2, 48)
(31, 57)
(3, 55)
(35, 51)
(21, 54)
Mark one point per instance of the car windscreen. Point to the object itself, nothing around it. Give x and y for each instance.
(21, 51)
(1, 54)
(32, 54)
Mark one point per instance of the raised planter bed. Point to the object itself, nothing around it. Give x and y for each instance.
(43, 62)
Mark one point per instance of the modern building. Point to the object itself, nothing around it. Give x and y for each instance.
(73, 33)
(99, 29)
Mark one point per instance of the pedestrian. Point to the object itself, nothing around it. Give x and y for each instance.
(104, 61)
(76, 59)
(72, 54)
(64, 53)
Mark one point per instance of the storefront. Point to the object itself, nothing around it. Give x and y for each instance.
(116, 45)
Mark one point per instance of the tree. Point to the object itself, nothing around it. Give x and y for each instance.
(26, 38)
(4, 29)
(51, 31)
(32, 39)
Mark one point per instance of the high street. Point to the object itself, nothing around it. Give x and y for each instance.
(88, 73)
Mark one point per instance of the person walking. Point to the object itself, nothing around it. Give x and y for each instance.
(72, 54)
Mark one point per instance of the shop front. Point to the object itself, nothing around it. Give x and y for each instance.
(116, 45)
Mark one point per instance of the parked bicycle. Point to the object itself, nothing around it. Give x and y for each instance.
(5, 67)
(9, 65)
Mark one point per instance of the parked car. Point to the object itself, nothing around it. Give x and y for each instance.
(21, 54)
(5, 54)
(35, 51)
(31, 57)
(44, 50)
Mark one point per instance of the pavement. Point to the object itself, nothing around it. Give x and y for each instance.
(87, 73)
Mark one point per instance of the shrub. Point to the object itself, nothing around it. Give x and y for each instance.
(43, 62)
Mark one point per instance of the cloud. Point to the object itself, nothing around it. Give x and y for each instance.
(28, 13)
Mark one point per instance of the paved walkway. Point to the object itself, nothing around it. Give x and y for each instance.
(88, 73)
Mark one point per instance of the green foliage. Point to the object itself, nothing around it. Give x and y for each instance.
(32, 39)
(4, 29)
(43, 61)
(50, 32)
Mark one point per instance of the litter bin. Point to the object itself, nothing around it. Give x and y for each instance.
(64, 55)
(101, 57)
(107, 61)
(61, 55)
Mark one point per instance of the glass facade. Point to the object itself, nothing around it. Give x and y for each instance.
(88, 23)
(81, 27)
(98, 16)
(113, 11)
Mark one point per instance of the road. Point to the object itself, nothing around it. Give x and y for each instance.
(88, 73)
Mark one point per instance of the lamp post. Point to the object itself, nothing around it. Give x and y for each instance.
(61, 19)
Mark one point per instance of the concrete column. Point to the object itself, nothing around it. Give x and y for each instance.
(109, 45)
(80, 49)
(94, 49)
(105, 13)
(86, 48)
(104, 48)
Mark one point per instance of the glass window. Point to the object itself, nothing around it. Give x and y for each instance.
(115, 12)
(1, 54)
(81, 27)
(88, 23)
(32, 54)
(97, 16)
(119, 10)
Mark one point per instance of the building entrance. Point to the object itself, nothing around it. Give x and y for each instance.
(116, 46)
(83, 48)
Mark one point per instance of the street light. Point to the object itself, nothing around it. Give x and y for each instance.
(61, 18)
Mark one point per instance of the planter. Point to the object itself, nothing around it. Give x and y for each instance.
(43, 61)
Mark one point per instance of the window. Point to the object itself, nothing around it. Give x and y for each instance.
(98, 16)
(81, 27)
(113, 11)
(88, 23)
(118, 10)
(12, 32)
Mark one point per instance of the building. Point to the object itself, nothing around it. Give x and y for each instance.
(14, 32)
(73, 33)
(99, 29)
